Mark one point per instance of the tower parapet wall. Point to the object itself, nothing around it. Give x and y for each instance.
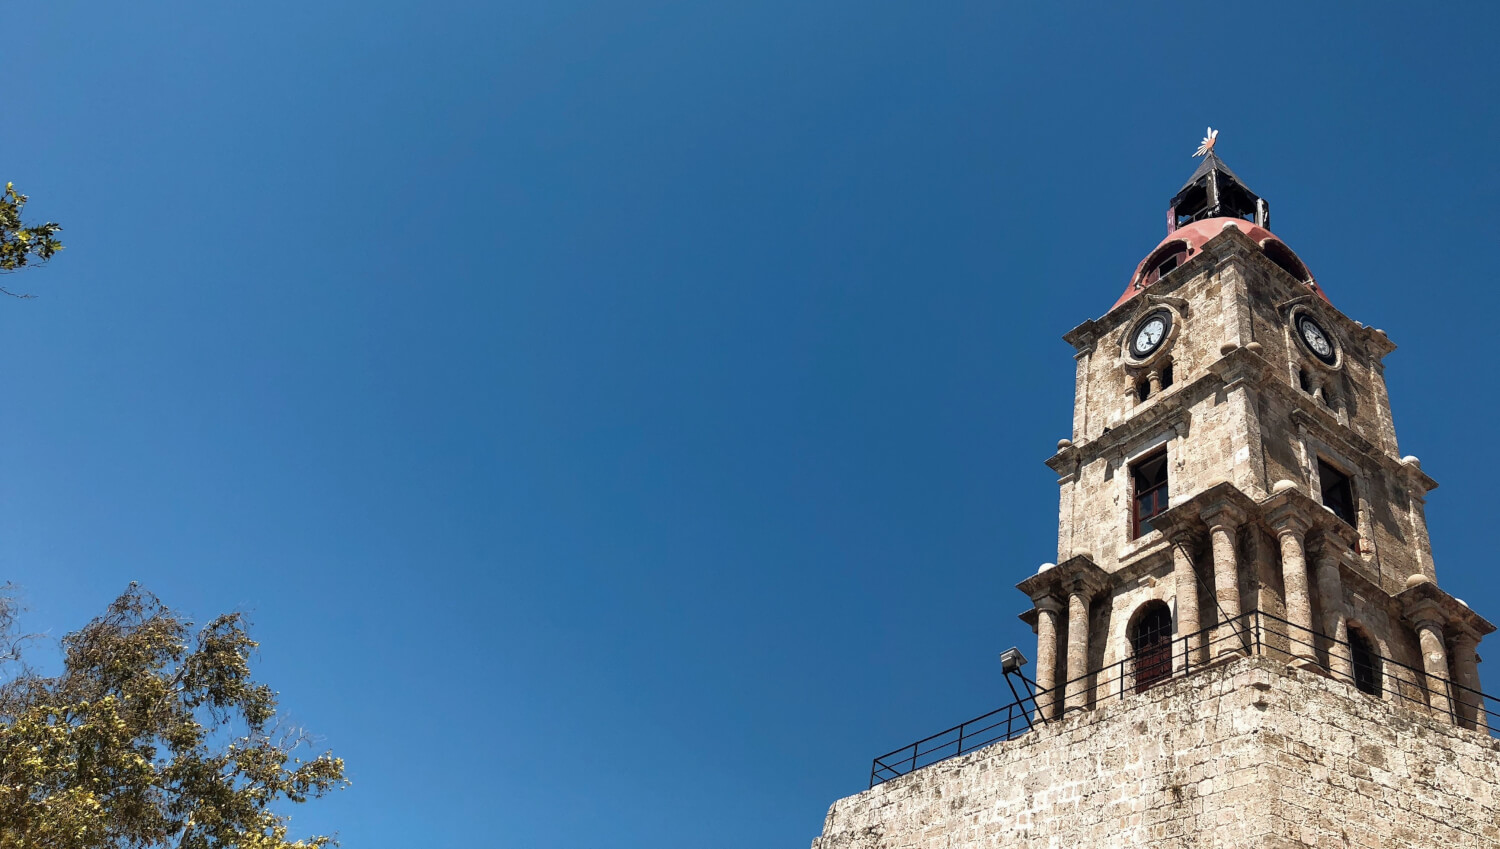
(1249, 753)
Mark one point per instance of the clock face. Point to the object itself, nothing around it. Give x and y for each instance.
(1149, 334)
(1316, 339)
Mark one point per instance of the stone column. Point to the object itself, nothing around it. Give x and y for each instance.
(1290, 530)
(1466, 668)
(1435, 663)
(1223, 522)
(1335, 621)
(1188, 652)
(1047, 611)
(1079, 598)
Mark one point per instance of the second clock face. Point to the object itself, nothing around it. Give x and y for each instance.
(1316, 339)
(1149, 334)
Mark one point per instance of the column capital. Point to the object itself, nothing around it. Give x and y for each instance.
(1426, 614)
(1464, 639)
(1223, 515)
(1048, 603)
(1286, 522)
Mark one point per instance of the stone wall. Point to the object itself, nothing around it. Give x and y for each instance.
(1247, 754)
(1255, 432)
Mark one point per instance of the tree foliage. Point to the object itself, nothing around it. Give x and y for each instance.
(154, 734)
(21, 244)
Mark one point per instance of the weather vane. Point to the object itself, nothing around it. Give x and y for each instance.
(1207, 146)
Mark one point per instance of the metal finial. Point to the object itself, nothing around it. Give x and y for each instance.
(1207, 145)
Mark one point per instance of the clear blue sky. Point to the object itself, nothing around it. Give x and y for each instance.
(623, 420)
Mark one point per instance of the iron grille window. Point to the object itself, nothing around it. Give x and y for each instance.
(1366, 664)
(1338, 495)
(1151, 646)
(1149, 480)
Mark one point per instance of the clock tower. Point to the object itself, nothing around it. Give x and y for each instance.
(1233, 450)
(1242, 642)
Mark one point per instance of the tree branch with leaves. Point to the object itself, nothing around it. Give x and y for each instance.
(153, 735)
(21, 244)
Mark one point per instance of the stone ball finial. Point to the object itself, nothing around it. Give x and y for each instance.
(1229, 225)
(1417, 580)
(1063, 444)
(1254, 347)
(1283, 485)
(1228, 348)
(1045, 566)
(1411, 460)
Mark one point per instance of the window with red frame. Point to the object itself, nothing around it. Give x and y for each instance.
(1148, 479)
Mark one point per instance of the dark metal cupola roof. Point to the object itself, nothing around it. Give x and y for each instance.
(1214, 191)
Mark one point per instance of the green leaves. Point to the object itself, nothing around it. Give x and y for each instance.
(22, 245)
(155, 734)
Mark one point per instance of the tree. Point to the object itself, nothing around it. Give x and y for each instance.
(153, 734)
(20, 244)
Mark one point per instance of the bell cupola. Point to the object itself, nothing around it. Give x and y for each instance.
(1215, 192)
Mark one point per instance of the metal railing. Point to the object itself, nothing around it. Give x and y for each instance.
(1254, 632)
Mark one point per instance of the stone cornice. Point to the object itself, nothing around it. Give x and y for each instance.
(1190, 515)
(1078, 571)
(1167, 409)
(1422, 600)
(1326, 427)
(1144, 561)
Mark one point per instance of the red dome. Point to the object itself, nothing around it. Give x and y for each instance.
(1185, 242)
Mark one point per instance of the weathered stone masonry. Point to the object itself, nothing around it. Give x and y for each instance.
(1233, 452)
(1251, 753)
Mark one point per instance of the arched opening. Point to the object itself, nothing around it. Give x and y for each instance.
(1366, 663)
(1286, 260)
(1166, 376)
(1164, 260)
(1151, 645)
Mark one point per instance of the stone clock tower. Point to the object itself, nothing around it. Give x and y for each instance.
(1243, 642)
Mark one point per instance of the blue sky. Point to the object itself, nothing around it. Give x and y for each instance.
(623, 420)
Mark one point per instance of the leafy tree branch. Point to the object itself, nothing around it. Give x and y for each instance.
(154, 734)
(21, 244)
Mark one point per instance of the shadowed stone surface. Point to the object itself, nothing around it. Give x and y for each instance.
(1251, 753)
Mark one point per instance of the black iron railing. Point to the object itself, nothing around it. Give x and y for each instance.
(1254, 632)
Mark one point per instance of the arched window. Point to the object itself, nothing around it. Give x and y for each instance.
(1151, 645)
(1162, 262)
(1366, 663)
(1288, 261)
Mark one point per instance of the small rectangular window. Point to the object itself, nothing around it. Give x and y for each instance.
(1148, 480)
(1338, 494)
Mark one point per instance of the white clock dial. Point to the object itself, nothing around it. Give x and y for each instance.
(1317, 340)
(1150, 334)
(1318, 343)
